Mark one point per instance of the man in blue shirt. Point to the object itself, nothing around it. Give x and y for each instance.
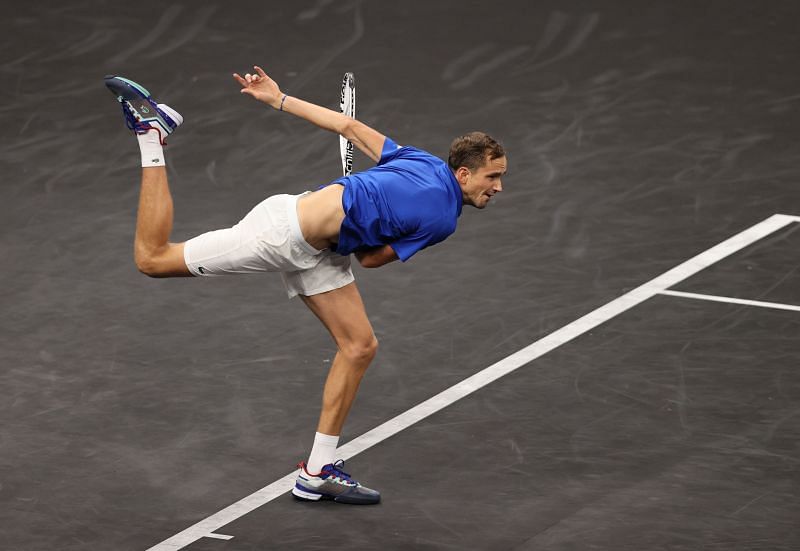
(408, 201)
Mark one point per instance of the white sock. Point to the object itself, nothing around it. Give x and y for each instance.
(150, 146)
(323, 452)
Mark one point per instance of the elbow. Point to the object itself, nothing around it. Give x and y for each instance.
(367, 262)
(348, 129)
(345, 127)
(370, 260)
(376, 258)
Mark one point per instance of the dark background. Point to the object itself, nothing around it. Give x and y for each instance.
(638, 135)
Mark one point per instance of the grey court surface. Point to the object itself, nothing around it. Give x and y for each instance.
(639, 135)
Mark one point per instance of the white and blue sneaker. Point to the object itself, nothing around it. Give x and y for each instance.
(141, 112)
(332, 483)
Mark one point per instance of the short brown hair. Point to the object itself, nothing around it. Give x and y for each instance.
(471, 150)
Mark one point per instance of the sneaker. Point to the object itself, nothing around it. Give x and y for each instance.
(141, 112)
(332, 483)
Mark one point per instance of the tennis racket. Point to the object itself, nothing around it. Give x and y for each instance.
(348, 107)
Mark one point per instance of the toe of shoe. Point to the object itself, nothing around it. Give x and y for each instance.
(123, 88)
(359, 496)
(117, 86)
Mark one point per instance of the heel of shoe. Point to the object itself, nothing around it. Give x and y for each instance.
(176, 118)
(305, 495)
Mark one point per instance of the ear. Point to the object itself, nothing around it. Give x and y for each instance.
(462, 174)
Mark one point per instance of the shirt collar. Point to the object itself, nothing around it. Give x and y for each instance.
(456, 188)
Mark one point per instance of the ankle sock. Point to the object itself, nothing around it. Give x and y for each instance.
(323, 452)
(151, 148)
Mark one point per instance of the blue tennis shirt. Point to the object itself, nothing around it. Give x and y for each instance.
(410, 200)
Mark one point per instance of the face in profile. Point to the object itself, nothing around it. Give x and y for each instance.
(479, 186)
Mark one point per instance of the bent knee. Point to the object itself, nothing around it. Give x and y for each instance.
(166, 263)
(149, 265)
(361, 350)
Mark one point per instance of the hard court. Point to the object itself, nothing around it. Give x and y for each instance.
(607, 357)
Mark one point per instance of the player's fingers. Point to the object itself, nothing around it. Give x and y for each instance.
(239, 79)
(260, 71)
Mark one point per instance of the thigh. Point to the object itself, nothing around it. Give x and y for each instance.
(331, 272)
(220, 252)
(259, 242)
(342, 312)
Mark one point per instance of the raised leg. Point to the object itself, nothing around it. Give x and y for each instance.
(343, 314)
(153, 253)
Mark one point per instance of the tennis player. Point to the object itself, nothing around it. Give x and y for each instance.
(408, 201)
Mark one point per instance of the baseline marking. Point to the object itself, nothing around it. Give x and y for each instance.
(715, 298)
(488, 375)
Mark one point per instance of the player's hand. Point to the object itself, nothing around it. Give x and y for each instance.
(260, 86)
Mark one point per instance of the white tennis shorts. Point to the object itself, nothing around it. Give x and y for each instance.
(268, 239)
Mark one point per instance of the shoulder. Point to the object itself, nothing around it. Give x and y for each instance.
(389, 151)
(392, 151)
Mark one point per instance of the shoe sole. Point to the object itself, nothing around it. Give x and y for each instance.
(303, 495)
(140, 102)
(140, 91)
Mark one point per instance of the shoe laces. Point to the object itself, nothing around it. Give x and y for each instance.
(131, 122)
(140, 127)
(336, 469)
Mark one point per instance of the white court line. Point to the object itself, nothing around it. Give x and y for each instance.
(715, 298)
(219, 536)
(488, 375)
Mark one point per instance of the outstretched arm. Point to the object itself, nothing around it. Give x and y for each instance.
(264, 89)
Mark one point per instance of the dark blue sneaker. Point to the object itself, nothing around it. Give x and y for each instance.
(141, 112)
(332, 483)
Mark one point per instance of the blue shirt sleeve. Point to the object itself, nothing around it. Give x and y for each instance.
(389, 152)
(408, 245)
